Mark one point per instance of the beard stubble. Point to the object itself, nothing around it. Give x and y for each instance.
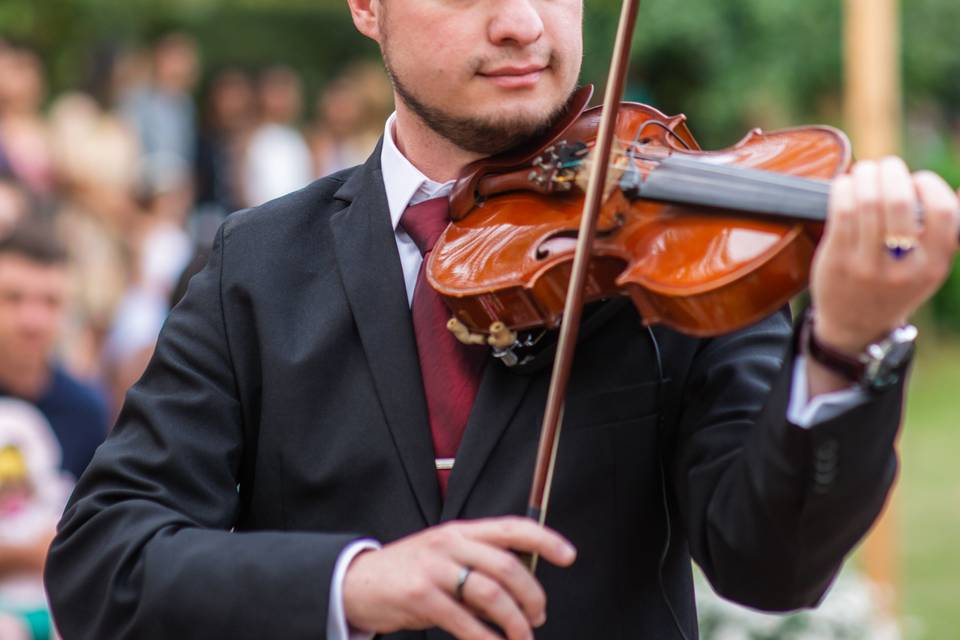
(485, 136)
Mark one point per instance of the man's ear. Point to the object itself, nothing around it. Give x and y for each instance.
(366, 17)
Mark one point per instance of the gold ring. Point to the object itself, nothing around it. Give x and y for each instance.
(899, 246)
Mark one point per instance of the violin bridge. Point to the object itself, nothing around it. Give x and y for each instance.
(616, 168)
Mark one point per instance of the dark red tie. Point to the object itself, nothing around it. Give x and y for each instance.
(451, 370)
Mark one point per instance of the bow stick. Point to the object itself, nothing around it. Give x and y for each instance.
(573, 305)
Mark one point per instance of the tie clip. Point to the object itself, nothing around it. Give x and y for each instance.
(443, 464)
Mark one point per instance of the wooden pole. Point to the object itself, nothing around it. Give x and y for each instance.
(872, 94)
(873, 113)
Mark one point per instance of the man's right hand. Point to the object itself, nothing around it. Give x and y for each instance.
(411, 583)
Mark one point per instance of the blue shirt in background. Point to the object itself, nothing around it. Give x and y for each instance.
(77, 415)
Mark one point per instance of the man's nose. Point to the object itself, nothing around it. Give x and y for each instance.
(516, 22)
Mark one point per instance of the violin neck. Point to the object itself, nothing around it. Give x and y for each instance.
(682, 180)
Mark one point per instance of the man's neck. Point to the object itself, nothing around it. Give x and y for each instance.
(435, 156)
(25, 381)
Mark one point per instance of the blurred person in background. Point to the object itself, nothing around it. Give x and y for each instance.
(277, 157)
(5, 60)
(33, 491)
(229, 120)
(14, 203)
(349, 115)
(97, 160)
(161, 252)
(24, 138)
(162, 113)
(33, 295)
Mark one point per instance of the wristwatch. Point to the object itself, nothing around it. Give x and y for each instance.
(879, 366)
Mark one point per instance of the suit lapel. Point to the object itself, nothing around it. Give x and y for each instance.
(373, 279)
(500, 394)
(497, 401)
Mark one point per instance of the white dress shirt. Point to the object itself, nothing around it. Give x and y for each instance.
(406, 185)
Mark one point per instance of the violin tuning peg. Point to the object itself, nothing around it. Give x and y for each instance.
(501, 337)
(463, 334)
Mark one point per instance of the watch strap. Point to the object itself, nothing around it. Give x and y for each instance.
(849, 367)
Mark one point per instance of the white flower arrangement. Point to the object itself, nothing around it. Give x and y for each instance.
(852, 610)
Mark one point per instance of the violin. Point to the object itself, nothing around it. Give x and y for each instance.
(705, 242)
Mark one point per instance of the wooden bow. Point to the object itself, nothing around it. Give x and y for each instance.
(573, 307)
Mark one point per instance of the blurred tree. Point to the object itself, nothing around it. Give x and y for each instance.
(732, 65)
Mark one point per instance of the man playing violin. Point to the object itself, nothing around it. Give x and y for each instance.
(282, 468)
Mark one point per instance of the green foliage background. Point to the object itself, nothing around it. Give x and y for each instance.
(720, 61)
(730, 65)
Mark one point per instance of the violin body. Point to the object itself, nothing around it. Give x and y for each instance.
(701, 269)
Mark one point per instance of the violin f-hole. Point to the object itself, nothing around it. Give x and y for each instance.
(543, 249)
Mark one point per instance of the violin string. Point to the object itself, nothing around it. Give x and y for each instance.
(742, 185)
(797, 183)
(696, 182)
(677, 184)
(750, 175)
(778, 197)
(739, 183)
(734, 172)
(699, 182)
(817, 191)
(698, 190)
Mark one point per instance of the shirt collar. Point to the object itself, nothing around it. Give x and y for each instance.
(404, 183)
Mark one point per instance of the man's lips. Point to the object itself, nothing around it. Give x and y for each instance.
(515, 77)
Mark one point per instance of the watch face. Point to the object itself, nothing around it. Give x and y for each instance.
(898, 355)
(894, 354)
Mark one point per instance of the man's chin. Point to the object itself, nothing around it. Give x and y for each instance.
(493, 135)
(515, 118)
(488, 122)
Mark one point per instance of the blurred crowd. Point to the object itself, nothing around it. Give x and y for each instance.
(110, 195)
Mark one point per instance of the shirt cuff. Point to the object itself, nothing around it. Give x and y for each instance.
(337, 628)
(806, 413)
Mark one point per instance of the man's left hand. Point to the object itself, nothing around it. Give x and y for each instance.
(861, 288)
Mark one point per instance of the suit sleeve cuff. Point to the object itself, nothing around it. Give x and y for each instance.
(806, 413)
(337, 627)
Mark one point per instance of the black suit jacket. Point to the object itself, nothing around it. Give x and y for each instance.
(283, 416)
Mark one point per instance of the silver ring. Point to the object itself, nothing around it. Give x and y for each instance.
(899, 247)
(461, 581)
